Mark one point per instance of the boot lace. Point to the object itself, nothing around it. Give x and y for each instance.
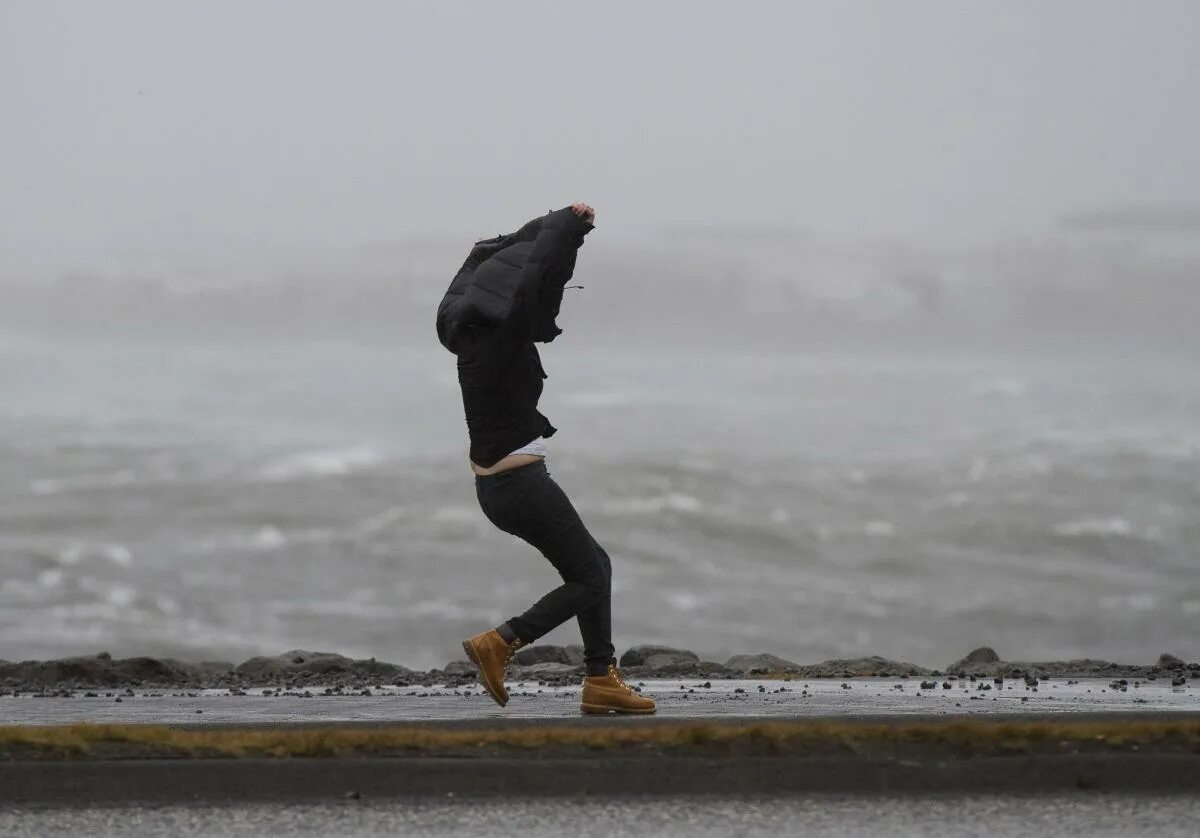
(616, 674)
(512, 650)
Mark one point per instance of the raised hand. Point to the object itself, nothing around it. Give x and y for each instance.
(584, 211)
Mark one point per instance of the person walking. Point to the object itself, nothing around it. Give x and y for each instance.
(502, 302)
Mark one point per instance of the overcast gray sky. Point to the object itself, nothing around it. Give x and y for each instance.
(248, 131)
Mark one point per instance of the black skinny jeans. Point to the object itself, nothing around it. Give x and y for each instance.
(526, 502)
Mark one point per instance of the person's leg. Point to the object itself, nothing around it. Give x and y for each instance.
(527, 503)
(595, 623)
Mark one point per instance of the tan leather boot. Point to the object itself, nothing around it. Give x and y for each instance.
(610, 694)
(489, 651)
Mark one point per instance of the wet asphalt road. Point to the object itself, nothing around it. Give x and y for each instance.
(1043, 816)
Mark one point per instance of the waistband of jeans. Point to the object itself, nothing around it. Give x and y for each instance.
(528, 468)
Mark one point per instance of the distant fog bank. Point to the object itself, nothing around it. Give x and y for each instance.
(694, 285)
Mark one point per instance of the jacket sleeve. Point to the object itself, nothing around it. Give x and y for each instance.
(550, 265)
(461, 312)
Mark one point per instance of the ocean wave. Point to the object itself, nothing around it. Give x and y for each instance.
(265, 539)
(952, 500)
(378, 522)
(56, 485)
(599, 398)
(1102, 527)
(456, 515)
(879, 529)
(653, 505)
(269, 538)
(1130, 602)
(683, 600)
(321, 463)
(79, 551)
(1007, 386)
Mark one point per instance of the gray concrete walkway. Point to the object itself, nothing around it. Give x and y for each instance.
(678, 700)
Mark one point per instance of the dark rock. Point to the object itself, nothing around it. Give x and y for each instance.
(102, 670)
(1166, 661)
(658, 657)
(760, 664)
(548, 669)
(548, 653)
(1179, 681)
(307, 668)
(977, 659)
(929, 685)
(859, 668)
(1079, 668)
(459, 668)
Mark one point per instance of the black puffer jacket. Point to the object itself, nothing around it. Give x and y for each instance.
(504, 298)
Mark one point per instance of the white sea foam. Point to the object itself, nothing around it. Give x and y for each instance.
(597, 399)
(653, 505)
(953, 500)
(1007, 386)
(78, 551)
(879, 529)
(456, 515)
(683, 601)
(326, 463)
(379, 521)
(121, 596)
(57, 485)
(979, 468)
(265, 539)
(1130, 602)
(1102, 527)
(168, 606)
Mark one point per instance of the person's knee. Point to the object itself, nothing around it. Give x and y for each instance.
(605, 562)
(596, 582)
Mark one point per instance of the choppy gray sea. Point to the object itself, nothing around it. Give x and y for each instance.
(221, 497)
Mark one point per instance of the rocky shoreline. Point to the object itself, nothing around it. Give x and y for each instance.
(544, 664)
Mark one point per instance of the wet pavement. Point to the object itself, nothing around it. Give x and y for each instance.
(826, 815)
(677, 700)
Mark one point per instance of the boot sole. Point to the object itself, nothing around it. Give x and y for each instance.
(483, 679)
(603, 709)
